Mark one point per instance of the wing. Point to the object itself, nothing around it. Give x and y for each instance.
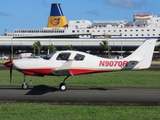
(64, 70)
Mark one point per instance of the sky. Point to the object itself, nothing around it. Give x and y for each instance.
(33, 14)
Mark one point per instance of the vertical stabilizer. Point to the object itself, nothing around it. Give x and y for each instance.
(143, 55)
(56, 18)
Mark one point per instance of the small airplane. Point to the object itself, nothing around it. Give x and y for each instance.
(70, 63)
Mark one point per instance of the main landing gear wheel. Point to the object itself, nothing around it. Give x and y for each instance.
(25, 86)
(63, 86)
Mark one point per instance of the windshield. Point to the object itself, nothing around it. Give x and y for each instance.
(47, 57)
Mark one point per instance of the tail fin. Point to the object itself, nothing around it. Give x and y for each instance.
(142, 57)
(56, 18)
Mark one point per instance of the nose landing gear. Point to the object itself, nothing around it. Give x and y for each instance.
(63, 86)
(24, 85)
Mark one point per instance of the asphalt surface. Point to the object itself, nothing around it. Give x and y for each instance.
(82, 95)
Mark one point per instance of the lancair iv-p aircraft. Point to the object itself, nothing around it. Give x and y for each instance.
(70, 63)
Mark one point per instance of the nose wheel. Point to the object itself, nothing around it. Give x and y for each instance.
(63, 87)
(25, 86)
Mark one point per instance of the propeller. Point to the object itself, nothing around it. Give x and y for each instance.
(10, 74)
(10, 63)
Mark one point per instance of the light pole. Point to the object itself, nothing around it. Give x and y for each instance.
(121, 45)
(107, 42)
(11, 49)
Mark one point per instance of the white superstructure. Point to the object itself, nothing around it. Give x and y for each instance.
(142, 26)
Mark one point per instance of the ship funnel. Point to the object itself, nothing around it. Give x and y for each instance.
(56, 18)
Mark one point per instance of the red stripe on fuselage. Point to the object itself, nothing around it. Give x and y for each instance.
(85, 71)
(47, 71)
(41, 71)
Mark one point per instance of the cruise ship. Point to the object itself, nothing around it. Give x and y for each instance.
(85, 33)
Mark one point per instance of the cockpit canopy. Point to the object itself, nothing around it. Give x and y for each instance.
(65, 56)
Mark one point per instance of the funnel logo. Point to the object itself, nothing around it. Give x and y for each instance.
(55, 21)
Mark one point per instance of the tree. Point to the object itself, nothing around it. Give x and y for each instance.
(52, 48)
(69, 47)
(104, 46)
(37, 46)
(34, 47)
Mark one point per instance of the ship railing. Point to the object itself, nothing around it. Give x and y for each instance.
(39, 31)
(110, 21)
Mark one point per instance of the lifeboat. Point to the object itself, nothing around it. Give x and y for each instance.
(90, 27)
(142, 16)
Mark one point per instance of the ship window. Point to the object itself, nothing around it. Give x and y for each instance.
(131, 30)
(120, 30)
(125, 35)
(136, 30)
(109, 30)
(114, 30)
(73, 31)
(153, 29)
(87, 30)
(136, 34)
(142, 30)
(77, 30)
(148, 34)
(130, 34)
(77, 21)
(159, 34)
(125, 30)
(153, 34)
(147, 29)
(142, 35)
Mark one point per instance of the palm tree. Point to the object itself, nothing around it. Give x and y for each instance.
(104, 46)
(37, 46)
(34, 47)
(69, 47)
(52, 48)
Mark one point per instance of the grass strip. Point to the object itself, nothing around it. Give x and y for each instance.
(34, 111)
(113, 79)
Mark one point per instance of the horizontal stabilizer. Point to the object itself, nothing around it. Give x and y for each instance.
(134, 60)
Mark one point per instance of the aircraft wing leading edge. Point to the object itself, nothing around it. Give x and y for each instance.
(64, 69)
